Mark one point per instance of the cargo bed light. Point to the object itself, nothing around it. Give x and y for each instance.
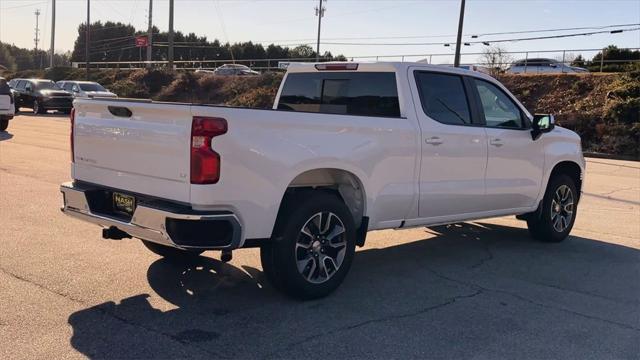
(345, 66)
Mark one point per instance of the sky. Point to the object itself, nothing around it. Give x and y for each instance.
(293, 22)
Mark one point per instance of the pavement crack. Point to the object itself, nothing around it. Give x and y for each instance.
(24, 279)
(618, 190)
(530, 301)
(170, 336)
(489, 256)
(112, 315)
(419, 312)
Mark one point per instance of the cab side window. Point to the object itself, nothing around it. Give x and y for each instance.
(444, 98)
(499, 110)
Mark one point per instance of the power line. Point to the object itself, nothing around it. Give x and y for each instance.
(473, 35)
(22, 6)
(487, 41)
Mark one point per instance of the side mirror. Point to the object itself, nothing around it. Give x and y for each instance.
(28, 89)
(542, 123)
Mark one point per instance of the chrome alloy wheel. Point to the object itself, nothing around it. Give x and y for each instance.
(321, 247)
(562, 208)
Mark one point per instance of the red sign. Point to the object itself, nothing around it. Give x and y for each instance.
(142, 41)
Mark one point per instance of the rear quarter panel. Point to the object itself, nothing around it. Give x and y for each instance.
(264, 150)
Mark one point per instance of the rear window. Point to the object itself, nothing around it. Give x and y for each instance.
(46, 85)
(348, 93)
(91, 87)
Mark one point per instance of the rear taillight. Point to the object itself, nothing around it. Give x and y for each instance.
(205, 163)
(72, 119)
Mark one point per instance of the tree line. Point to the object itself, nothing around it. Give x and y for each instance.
(13, 58)
(115, 41)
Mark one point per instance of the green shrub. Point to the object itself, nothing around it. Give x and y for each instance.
(129, 89)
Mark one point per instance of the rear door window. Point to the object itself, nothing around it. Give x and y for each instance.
(444, 98)
(346, 93)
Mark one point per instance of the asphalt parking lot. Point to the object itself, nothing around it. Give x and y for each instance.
(481, 289)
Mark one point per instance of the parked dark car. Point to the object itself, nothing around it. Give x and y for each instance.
(41, 95)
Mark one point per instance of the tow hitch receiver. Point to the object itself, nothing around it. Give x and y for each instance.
(113, 233)
(226, 256)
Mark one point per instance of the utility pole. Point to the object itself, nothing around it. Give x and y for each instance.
(37, 38)
(53, 31)
(150, 34)
(456, 60)
(86, 38)
(170, 35)
(319, 13)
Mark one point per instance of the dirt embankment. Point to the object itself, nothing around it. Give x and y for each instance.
(603, 109)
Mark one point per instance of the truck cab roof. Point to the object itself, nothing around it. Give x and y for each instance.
(379, 66)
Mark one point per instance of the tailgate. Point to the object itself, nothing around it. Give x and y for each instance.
(147, 152)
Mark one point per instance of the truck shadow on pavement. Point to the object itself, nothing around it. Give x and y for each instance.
(5, 135)
(472, 289)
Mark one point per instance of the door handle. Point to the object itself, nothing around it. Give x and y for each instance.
(496, 142)
(434, 140)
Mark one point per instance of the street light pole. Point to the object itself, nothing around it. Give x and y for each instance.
(53, 31)
(150, 34)
(456, 60)
(86, 42)
(170, 35)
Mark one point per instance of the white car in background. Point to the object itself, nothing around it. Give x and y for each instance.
(543, 66)
(84, 89)
(6, 104)
(235, 69)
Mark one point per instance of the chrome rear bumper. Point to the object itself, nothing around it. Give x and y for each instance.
(150, 222)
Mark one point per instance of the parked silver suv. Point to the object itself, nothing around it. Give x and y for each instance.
(546, 66)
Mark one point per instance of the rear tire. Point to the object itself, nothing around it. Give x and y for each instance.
(312, 248)
(558, 213)
(171, 253)
(4, 124)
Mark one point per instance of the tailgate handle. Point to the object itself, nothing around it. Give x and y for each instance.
(120, 111)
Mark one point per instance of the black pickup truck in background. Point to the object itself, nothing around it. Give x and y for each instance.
(41, 95)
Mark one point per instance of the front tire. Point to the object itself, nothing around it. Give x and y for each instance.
(171, 253)
(558, 211)
(312, 248)
(4, 124)
(37, 108)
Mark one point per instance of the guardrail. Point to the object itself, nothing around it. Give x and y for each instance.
(502, 61)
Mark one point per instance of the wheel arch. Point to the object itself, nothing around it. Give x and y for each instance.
(571, 169)
(345, 184)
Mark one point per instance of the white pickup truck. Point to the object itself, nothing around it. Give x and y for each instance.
(348, 148)
(7, 106)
